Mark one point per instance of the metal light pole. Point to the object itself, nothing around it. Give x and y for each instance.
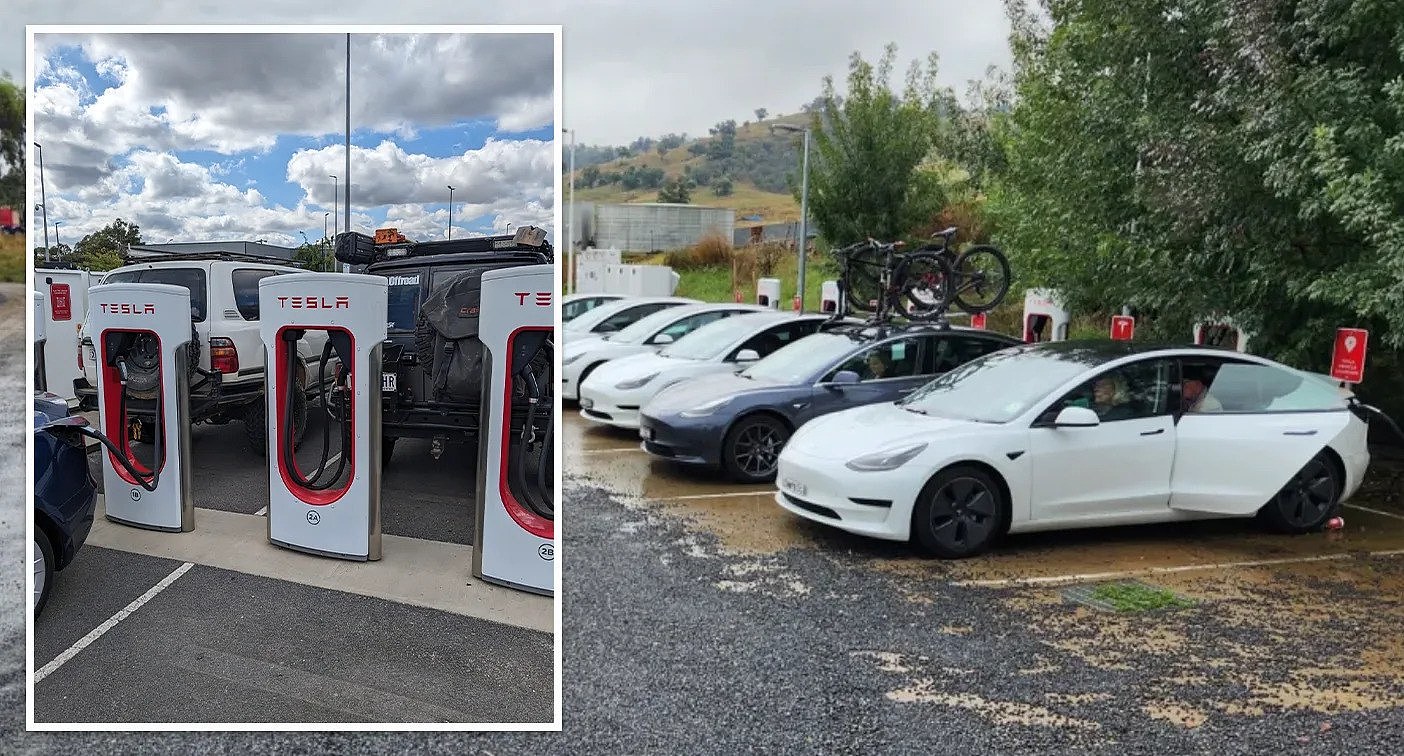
(43, 200)
(56, 236)
(336, 198)
(804, 204)
(346, 267)
(570, 235)
(450, 223)
(326, 240)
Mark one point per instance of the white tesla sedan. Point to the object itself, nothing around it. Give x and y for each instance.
(649, 334)
(613, 393)
(612, 317)
(1077, 434)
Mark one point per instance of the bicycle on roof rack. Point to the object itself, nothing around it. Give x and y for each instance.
(877, 277)
(980, 273)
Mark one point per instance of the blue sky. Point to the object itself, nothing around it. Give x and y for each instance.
(201, 137)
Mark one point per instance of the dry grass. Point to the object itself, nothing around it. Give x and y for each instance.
(12, 259)
(712, 250)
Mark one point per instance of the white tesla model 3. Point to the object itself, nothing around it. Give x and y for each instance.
(1077, 434)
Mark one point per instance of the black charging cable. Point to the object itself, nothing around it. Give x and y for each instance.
(289, 433)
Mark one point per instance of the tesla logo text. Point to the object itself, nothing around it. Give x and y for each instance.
(315, 303)
(543, 298)
(128, 309)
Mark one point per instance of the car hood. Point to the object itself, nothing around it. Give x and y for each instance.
(636, 366)
(703, 389)
(850, 433)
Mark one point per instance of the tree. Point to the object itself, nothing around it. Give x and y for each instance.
(867, 147)
(97, 250)
(590, 175)
(721, 186)
(314, 255)
(670, 142)
(723, 141)
(11, 125)
(677, 190)
(12, 188)
(761, 113)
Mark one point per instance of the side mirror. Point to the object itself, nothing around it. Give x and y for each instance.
(662, 339)
(1077, 417)
(843, 378)
(747, 355)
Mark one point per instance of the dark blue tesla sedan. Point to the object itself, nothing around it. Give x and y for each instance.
(740, 421)
(65, 494)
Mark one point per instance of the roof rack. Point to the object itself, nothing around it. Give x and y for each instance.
(356, 248)
(158, 256)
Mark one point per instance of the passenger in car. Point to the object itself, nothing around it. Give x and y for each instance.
(1195, 397)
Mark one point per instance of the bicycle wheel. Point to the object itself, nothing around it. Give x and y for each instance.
(924, 289)
(863, 285)
(981, 278)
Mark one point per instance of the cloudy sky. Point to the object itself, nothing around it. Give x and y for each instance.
(631, 67)
(237, 136)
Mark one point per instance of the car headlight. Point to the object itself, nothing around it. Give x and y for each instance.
(634, 383)
(572, 358)
(703, 410)
(887, 459)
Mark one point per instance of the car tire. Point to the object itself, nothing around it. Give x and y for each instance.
(256, 420)
(387, 450)
(43, 552)
(960, 513)
(1308, 500)
(752, 448)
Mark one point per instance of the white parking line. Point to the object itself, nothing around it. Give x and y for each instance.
(713, 495)
(1375, 511)
(609, 451)
(100, 630)
(262, 511)
(1090, 576)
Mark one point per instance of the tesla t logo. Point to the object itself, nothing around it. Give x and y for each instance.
(315, 303)
(123, 308)
(543, 298)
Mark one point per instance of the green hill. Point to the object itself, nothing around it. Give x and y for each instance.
(742, 166)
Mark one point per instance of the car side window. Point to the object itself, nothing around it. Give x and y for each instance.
(891, 359)
(773, 338)
(622, 319)
(691, 323)
(245, 282)
(1130, 392)
(948, 352)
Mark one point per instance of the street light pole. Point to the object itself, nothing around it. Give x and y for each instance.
(450, 223)
(43, 200)
(804, 205)
(570, 237)
(336, 198)
(346, 267)
(56, 235)
(326, 240)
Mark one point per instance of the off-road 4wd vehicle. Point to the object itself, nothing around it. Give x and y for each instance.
(431, 370)
(226, 370)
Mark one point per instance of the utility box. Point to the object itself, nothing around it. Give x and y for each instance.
(829, 296)
(65, 308)
(1045, 316)
(591, 266)
(768, 292)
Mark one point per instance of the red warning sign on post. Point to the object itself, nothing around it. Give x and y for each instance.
(61, 301)
(797, 303)
(1348, 358)
(1123, 327)
(977, 320)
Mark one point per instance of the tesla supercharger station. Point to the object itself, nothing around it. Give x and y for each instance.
(333, 509)
(768, 292)
(516, 501)
(1221, 332)
(41, 382)
(141, 334)
(828, 296)
(1045, 318)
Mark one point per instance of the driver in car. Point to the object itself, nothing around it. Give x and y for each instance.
(877, 368)
(1195, 396)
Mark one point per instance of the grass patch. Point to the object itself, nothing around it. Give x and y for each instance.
(12, 258)
(1130, 597)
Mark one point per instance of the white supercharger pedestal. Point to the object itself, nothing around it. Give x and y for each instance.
(516, 546)
(768, 292)
(342, 521)
(828, 296)
(145, 324)
(41, 382)
(1222, 332)
(1045, 317)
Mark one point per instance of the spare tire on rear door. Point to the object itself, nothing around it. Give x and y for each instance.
(143, 356)
(446, 339)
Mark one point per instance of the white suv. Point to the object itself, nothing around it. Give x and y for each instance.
(227, 370)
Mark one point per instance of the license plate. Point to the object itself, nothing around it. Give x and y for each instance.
(587, 403)
(646, 434)
(794, 487)
(389, 382)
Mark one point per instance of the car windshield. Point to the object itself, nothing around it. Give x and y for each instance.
(575, 308)
(403, 301)
(640, 329)
(710, 340)
(597, 315)
(192, 279)
(797, 361)
(1001, 386)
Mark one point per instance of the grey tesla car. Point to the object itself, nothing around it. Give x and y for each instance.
(740, 421)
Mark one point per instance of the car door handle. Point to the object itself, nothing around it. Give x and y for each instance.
(1299, 433)
(1155, 432)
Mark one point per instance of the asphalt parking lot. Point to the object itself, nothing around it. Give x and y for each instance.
(217, 625)
(846, 643)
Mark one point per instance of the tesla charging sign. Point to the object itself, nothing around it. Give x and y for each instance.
(1123, 327)
(61, 299)
(977, 320)
(1348, 358)
(322, 333)
(516, 500)
(141, 336)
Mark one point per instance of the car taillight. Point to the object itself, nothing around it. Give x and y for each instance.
(224, 358)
